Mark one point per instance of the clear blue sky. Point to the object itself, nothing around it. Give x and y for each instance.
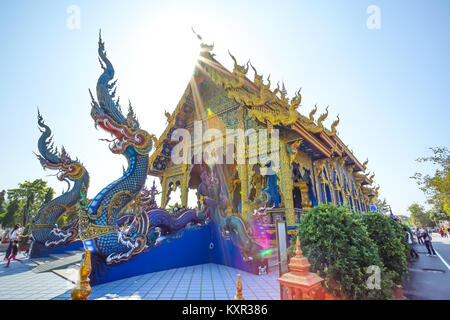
(390, 86)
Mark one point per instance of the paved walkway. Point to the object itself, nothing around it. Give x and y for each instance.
(429, 277)
(19, 282)
(201, 282)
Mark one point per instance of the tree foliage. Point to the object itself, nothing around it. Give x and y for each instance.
(437, 186)
(2, 204)
(25, 201)
(391, 241)
(419, 217)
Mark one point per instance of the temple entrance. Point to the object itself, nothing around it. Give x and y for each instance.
(297, 197)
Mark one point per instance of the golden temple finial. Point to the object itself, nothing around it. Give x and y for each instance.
(277, 89)
(83, 289)
(198, 36)
(297, 99)
(169, 117)
(365, 163)
(206, 48)
(258, 79)
(241, 70)
(312, 113)
(335, 124)
(239, 295)
(322, 117)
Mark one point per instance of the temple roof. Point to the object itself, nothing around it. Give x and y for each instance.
(267, 106)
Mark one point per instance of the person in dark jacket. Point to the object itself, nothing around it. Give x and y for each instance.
(427, 239)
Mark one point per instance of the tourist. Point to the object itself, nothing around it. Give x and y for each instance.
(412, 251)
(14, 249)
(419, 233)
(427, 238)
(13, 235)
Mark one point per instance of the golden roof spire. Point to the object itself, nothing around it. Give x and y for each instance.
(334, 125)
(311, 114)
(241, 70)
(365, 163)
(322, 117)
(205, 48)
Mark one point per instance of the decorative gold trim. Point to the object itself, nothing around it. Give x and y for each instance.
(89, 231)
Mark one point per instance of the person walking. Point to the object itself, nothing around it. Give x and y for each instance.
(419, 236)
(14, 250)
(413, 253)
(427, 239)
(13, 235)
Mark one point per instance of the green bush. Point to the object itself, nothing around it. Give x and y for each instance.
(391, 241)
(339, 249)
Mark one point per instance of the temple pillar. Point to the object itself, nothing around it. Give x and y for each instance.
(243, 176)
(184, 186)
(286, 184)
(163, 191)
(243, 170)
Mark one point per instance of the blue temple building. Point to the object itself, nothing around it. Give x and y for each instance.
(314, 165)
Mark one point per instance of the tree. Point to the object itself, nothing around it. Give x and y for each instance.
(30, 196)
(2, 202)
(11, 212)
(436, 187)
(437, 215)
(419, 217)
(49, 195)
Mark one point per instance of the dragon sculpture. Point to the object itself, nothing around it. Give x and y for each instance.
(44, 233)
(105, 228)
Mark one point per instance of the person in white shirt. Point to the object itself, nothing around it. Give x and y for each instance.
(13, 236)
(412, 251)
(419, 235)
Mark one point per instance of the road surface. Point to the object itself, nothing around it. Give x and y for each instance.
(429, 277)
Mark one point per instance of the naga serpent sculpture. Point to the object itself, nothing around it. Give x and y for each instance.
(44, 233)
(105, 229)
